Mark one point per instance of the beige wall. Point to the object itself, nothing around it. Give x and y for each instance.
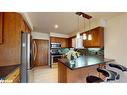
(116, 39)
(38, 35)
(59, 35)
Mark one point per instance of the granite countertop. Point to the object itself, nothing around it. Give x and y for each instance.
(84, 61)
(6, 70)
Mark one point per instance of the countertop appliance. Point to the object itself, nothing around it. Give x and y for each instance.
(26, 56)
(55, 45)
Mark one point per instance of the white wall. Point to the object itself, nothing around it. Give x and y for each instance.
(59, 35)
(116, 39)
(38, 35)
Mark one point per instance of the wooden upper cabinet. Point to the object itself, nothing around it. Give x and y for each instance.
(23, 25)
(10, 49)
(53, 39)
(63, 41)
(1, 27)
(97, 38)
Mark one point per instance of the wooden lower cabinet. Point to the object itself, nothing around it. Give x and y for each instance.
(14, 77)
(66, 75)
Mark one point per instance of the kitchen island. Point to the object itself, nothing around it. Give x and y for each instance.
(76, 71)
(10, 74)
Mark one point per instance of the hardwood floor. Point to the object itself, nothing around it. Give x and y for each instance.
(45, 74)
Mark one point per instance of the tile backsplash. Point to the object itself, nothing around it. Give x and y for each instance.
(95, 51)
(91, 51)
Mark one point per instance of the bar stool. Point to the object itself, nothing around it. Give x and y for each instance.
(93, 79)
(120, 67)
(110, 76)
(121, 70)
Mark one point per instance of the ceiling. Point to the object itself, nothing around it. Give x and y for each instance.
(67, 21)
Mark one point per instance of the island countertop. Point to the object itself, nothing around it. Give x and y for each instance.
(84, 61)
(6, 70)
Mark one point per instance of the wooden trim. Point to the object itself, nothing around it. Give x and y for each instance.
(1, 27)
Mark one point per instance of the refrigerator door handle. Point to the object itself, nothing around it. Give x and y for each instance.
(28, 52)
(35, 51)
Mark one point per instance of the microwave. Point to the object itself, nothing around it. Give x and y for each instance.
(55, 45)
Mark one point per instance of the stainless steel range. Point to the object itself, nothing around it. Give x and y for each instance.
(54, 55)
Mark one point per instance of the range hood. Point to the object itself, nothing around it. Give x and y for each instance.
(79, 43)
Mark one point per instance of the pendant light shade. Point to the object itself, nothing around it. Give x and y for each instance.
(78, 35)
(84, 36)
(89, 37)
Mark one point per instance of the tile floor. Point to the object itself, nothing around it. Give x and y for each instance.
(44, 74)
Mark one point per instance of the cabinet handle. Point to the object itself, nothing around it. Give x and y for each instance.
(35, 50)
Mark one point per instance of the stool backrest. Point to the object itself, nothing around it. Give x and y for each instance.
(120, 67)
(110, 75)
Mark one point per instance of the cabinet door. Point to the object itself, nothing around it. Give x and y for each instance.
(87, 43)
(1, 27)
(65, 43)
(97, 38)
(70, 42)
(10, 49)
(52, 40)
(41, 52)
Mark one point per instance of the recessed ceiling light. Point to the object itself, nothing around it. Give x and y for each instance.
(56, 26)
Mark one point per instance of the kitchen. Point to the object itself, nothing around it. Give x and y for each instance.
(50, 47)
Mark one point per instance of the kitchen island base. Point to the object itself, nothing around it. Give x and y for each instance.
(66, 75)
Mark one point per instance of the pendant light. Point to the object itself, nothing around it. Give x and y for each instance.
(84, 34)
(78, 34)
(89, 35)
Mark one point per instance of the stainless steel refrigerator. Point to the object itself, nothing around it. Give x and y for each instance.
(26, 56)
